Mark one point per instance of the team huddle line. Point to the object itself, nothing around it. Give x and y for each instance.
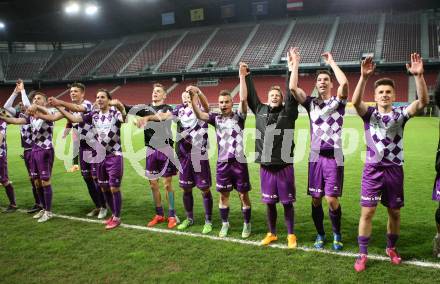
(98, 127)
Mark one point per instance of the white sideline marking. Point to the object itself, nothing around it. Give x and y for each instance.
(252, 243)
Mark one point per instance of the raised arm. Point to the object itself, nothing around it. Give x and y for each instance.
(160, 116)
(293, 59)
(9, 104)
(416, 69)
(14, 120)
(199, 114)
(242, 73)
(68, 115)
(340, 76)
(120, 107)
(69, 106)
(252, 96)
(367, 69)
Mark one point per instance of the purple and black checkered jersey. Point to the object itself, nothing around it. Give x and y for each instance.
(107, 127)
(84, 129)
(26, 133)
(229, 132)
(192, 133)
(384, 135)
(326, 119)
(42, 132)
(3, 147)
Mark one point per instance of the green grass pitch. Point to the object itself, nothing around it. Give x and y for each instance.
(76, 252)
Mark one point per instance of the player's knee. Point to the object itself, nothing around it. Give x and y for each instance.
(394, 214)
(437, 215)
(316, 202)
(367, 215)
(45, 182)
(333, 203)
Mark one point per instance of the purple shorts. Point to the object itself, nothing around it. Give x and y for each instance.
(436, 189)
(326, 178)
(87, 169)
(27, 155)
(4, 170)
(232, 174)
(383, 184)
(278, 185)
(42, 163)
(110, 171)
(158, 163)
(197, 174)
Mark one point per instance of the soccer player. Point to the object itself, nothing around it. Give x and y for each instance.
(382, 178)
(436, 189)
(42, 154)
(326, 162)
(275, 123)
(106, 122)
(232, 169)
(192, 143)
(26, 138)
(4, 179)
(78, 106)
(160, 155)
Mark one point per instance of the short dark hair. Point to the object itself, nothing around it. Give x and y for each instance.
(159, 85)
(225, 93)
(277, 88)
(79, 86)
(324, 71)
(384, 81)
(107, 93)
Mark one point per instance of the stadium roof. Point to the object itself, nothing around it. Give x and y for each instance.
(45, 20)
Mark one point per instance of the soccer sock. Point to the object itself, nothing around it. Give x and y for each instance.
(391, 240)
(208, 204)
(171, 202)
(335, 217)
(318, 219)
(188, 203)
(41, 196)
(171, 213)
(271, 212)
(109, 199)
(48, 197)
(224, 214)
(117, 203)
(363, 244)
(92, 191)
(99, 194)
(159, 211)
(289, 218)
(35, 193)
(246, 214)
(10, 193)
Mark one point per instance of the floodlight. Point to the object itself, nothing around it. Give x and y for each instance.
(2, 25)
(91, 9)
(72, 8)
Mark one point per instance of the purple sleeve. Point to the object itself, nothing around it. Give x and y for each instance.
(2, 127)
(211, 119)
(87, 117)
(88, 106)
(307, 102)
(366, 117)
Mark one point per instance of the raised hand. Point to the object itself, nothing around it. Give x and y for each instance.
(293, 56)
(416, 66)
(19, 86)
(193, 89)
(54, 101)
(328, 57)
(367, 67)
(243, 69)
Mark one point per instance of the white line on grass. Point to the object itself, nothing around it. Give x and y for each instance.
(252, 243)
